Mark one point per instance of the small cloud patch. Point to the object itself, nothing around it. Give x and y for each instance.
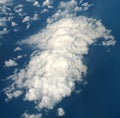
(10, 63)
(60, 112)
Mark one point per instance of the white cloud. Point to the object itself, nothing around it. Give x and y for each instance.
(17, 49)
(86, 5)
(26, 19)
(73, 6)
(26, 115)
(109, 42)
(60, 112)
(13, 24)
(19, 10)
(35, 17)
(15, 29)
(3, 21)
(15, 94)
(77, 91)
(3, 32)
(48, 3)
(51, 74)
(10, 63)
(36, 3)
(28, 25)
(19, 57)
(67, 9)
(44, 11)
(57, 63)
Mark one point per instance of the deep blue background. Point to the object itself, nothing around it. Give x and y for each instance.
(100, 98)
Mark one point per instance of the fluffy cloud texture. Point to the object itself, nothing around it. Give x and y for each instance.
(26, 115)
(11, 10)
(60, 112)
(17, 49)
(10, 63)
(57, 62)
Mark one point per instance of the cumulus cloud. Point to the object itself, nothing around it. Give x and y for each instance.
(35, 17)
(15, 94)
(57, 62)
(10, 63)
(17, 49)
(26, 19)
(60, 112)
(3, 22)
(36, 3)
(83, 6)
(19, 57)
(51, 73)
(48, 3)
(67, 9)
(26, 115)
(44, 11)
(19, 9)
(3, 32)
(13, 24)
(109, 42)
